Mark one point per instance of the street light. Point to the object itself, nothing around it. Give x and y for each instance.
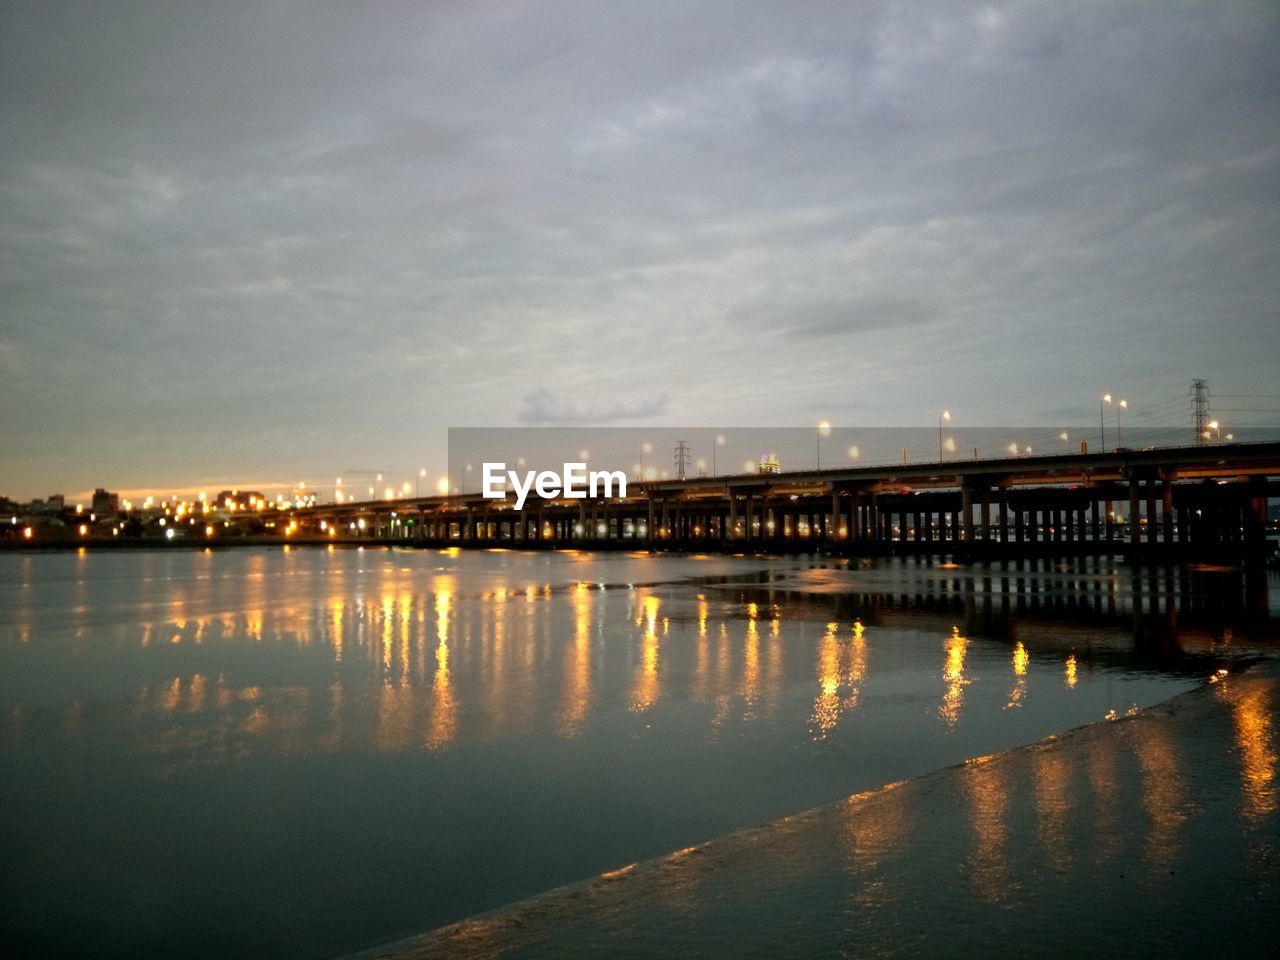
(1122, 405)
(1213, 425)
(945, 415)
(1102, 420)
(823, 429)
(417, 485)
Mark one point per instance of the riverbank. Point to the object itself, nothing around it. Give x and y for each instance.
(1153, 834)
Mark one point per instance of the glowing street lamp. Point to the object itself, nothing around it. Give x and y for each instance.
(1102, 420)
(824, 428)
(1122, 405)
(854, 452)
(417, 485)
(719, 443)
(945, 415)
(1214, 426)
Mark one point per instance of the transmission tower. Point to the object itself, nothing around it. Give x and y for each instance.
(1200, 406)
(681, 459)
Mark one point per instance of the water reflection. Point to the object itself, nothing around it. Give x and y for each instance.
(513, 644)
(738, 696)
(842, 667)
(1252, 713)
(646, 687)
(1163, 794)
(871, 842)
(1019, 689)
(953, 677)
(577, 674)
(443, 723)
(988, 794)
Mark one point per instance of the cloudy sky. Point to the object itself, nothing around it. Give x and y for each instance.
(280, 239)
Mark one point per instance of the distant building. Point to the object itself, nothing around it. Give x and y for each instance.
(239, 500)
(105, 503)
(55, 501)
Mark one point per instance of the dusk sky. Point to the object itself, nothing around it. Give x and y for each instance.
(258, 242)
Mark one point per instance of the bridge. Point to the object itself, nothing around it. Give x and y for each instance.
(1205, 502)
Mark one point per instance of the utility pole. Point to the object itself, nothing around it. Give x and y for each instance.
(1200, 407)
(681, 459)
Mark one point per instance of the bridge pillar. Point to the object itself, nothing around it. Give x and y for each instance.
(985, 513)
(1152, 527)
(1166, 509)
(1135, 530)
(1255, 520)
(966, 513)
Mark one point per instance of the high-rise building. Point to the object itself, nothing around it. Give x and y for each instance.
(105, 503)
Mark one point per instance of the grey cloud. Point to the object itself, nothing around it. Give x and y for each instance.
(833, 317)
(544, 407)
(329, 220)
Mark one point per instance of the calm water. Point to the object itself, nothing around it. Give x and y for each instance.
(303, 752)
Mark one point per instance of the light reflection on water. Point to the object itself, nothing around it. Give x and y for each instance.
(520, 721)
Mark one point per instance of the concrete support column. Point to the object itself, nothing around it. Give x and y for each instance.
(1152, 527)
(1166, 509)
(966, 513)
(1135, 531)
(985, 511)
(1255, 520)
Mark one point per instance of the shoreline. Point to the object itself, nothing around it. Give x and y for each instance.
(615, 913)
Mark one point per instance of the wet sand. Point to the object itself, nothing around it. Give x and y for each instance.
(1155, 834)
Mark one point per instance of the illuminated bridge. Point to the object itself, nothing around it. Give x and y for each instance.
(1201, 502)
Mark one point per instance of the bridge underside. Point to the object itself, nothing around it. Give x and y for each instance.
(1143, 516)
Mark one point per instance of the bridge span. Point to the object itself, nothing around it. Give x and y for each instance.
(1173, 503)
